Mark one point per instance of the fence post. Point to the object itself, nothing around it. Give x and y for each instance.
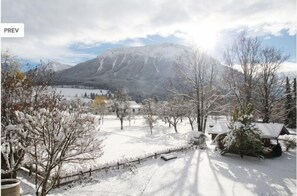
(118, 165)
(138, 160)
(90, 172)
(155, 155)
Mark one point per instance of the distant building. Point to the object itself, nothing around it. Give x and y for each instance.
(134, 107)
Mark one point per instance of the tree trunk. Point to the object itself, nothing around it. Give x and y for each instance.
(241, 153)
(204, 124)
(191, 123)
(175, 129)
(121, 119)
(44, 185)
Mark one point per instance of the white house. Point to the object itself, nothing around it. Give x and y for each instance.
(134, 107)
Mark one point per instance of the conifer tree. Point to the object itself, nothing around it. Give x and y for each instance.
(289, 120)
(244, 138)
(294, 104)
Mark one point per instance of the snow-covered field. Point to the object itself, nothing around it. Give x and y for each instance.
(79, 92)
(133, 141)
(195, 172)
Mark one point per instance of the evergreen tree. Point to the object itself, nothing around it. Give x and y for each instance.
(294, 105)
(289, 120)
(244, 138)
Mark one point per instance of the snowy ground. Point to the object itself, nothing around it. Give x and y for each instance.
(195, 172)
(133, 141)
(79, 92)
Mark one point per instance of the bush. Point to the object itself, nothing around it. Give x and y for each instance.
(277, 150)
(290, 143)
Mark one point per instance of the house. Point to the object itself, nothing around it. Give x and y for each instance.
(134, 107)
(219, 128)
(271, 131)
(268, 131)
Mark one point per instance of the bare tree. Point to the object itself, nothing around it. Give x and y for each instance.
(243, 55)
(149, 112)
(58, 137)
(121, 105)
(172, 111)
(196, 70)
(190, 112)
(130, 116)
(269, 86)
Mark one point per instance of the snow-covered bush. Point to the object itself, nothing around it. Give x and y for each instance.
(290, 142)
(197, 138)
(244, 138)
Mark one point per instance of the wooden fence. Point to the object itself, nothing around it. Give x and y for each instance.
(63, 180)
(67, 179)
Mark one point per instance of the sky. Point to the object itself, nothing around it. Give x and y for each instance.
(73, 31)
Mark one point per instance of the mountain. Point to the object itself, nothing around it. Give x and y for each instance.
(143, 71)
(54, 66)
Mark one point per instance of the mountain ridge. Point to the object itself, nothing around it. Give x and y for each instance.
(144, 71)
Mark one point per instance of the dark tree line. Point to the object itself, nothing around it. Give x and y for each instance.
(290, 104)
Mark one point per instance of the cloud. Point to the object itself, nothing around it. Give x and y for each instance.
(289, 67)
(51, 27)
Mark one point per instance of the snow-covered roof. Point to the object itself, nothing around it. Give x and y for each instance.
(134, 105)
(271, 130)
(219, 128)
(268, 130)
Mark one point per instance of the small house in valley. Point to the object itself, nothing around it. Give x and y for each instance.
(134, 107)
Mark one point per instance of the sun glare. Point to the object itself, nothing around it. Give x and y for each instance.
(202, 36)
(204, 40)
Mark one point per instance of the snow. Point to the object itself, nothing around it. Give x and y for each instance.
(193, 172)
(79, 92)
(219, 128)
(196, 172)
(165, 50)
(100, 65)
(133, 141)
(134, 105)
(270, 130)
(55, 66)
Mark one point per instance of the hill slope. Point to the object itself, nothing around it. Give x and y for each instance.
(143, 71)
